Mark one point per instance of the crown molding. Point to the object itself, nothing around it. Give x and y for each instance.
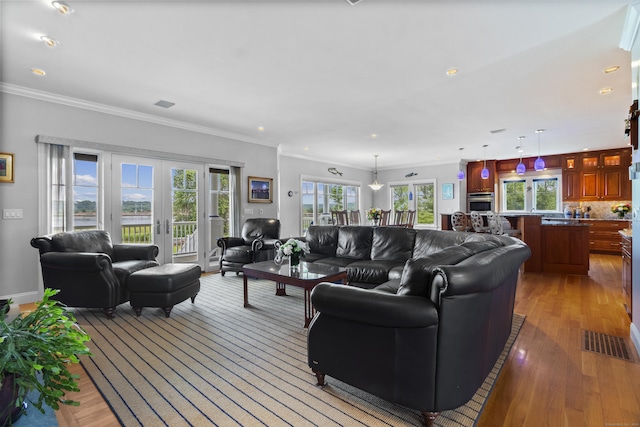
(631, 25)
(122, 112)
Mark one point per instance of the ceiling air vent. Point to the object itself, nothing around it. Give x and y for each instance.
(165, 104)
(353, 2)
(497, 130)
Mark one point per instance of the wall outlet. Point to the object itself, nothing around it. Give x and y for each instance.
(248, 211)
(261, 211)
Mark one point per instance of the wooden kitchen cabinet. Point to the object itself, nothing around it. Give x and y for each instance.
(627, 271)
(475, 183)
(604, 236)
(596, 176)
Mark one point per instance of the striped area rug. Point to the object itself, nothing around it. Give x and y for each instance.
(217, 363)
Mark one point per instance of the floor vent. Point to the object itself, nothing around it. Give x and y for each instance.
(608, 345)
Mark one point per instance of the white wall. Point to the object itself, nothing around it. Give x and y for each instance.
(23, 118)
(291, 172)
(443, 174)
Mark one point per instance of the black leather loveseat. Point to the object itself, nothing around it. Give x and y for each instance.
(428, 334)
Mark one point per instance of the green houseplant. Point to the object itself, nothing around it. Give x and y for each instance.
(35, 352)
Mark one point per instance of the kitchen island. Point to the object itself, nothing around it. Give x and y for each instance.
(557, 246)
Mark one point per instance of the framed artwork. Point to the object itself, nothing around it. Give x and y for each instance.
(447, 191)
(6, 167)
(260, 190)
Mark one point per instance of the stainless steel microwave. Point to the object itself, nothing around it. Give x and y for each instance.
(481, 202)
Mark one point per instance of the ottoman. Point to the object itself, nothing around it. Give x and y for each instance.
(163, 286)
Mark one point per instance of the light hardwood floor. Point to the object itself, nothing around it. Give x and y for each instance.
(547, 380)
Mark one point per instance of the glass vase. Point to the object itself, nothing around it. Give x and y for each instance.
(294, 263)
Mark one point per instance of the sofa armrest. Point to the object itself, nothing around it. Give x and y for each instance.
(374, 308)
(125, 252)
(229, 242)
(76, 261)
(270, 243)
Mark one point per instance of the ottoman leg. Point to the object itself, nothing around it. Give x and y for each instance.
(138, 311)
(193, 298)
(167, 311)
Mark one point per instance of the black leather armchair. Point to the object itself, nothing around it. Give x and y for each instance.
(258, 242)
(88, 269)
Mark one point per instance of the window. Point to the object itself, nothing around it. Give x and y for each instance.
(419, 196)
(531, 194)
(320, 198)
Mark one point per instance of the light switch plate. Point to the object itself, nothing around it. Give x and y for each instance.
(12, 214)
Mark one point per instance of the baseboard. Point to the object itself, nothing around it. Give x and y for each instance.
(635, 336)
(23, 298)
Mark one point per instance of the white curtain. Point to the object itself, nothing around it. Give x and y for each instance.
(56, 210)
(235, 174)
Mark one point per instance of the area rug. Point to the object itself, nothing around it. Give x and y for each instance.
(217, 363)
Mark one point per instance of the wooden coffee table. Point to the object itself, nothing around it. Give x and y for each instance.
(310, 274)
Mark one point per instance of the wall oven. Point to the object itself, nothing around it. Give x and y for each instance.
(481, 202)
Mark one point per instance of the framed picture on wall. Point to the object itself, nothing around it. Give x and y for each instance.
(447, 191)
(6, 167)
(260, 190)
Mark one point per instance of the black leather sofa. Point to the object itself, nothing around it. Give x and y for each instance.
(426, 335)
(88, 269)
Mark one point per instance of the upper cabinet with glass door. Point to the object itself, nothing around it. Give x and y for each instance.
(597, 175)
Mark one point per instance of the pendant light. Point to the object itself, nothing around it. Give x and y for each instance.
(521, 168)
(539, 163)
(375, 185)
(460, 172)
(485, 172)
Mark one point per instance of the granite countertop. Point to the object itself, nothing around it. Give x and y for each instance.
(557, 222)
(544, 218)
(626, 232)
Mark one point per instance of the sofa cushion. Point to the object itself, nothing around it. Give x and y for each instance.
(370, 271)
(390, 286)
(392, 243)
(430, 241)
(417, 273)
(124, 269)
(97, 241)
(322, 240)
(354, 242)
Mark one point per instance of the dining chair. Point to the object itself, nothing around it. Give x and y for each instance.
(384, 217)
(411, 218)
(340, 217)
(354, 217)
(477, 222)
(495, 223)
(459, 221)
(399, 218)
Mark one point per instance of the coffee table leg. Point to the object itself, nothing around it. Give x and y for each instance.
(309, 311)
(281, 289)
(246, 293)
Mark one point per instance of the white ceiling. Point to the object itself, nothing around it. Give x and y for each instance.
(322, 76)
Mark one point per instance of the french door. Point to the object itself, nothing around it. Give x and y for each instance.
(159, 201)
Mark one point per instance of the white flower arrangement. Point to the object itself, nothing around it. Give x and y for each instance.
(292, 247)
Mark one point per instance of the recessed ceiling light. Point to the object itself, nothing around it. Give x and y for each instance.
(38, 72)
(260, 128)
(373, 135)
(452, 71)
(611, 69)
(306, 148)
(51, 42)
(585, 149)
(606, 91)
(63, 8)
(165, 104)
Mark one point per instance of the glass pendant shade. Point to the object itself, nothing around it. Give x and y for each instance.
(521, 168)
(460, 172)
(485, 173)
(375, 185)
(539, 163)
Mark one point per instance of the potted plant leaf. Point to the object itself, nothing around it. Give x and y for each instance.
(35, 352)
